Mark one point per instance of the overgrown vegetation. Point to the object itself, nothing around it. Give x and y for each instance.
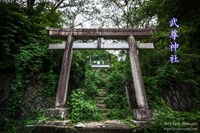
(24, 50)
(82, 101)
(116, 97)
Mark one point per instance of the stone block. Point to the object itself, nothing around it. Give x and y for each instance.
(58, 123)
(143, 114)
(57, 112)
(142, 124)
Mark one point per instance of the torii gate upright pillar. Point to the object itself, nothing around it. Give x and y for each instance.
(143, 112)
(61, 96)
(64, 74)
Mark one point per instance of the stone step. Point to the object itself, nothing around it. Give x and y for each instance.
(104, 115)
(102, 93)
(109, 128)
(103, 110)
(101, 106)
(102, 90)
(100, 102)
(100, 98)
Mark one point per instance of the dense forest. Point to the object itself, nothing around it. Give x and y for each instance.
(29, 71)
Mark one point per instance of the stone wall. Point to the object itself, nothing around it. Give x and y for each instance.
(178, 96)
(6, 79)
(130, 92)
(32, 99)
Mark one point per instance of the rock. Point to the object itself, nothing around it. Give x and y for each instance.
(50, 122)
(108, 124)
(79, 125)
(177, 94)
(175, 99)
(175, 105)
(167, 99)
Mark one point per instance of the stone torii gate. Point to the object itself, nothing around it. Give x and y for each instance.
(143, 112)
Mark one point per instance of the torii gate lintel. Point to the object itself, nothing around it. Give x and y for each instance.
(107, 33)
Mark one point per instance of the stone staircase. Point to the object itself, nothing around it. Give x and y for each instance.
(100, 102)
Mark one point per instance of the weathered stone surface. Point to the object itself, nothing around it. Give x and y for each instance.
(128, 85)
(62, 90)
(143, 114)
(5, 86)
(101, 105)
(115, 124)
(175, 99)
(58, 112)
(32, 100)
(79, 125)
(58, 123)
(140, 123)
(137, 74)
(58, 129)
(167, 98)
(178, 96)
(108, 46)
(107, 33)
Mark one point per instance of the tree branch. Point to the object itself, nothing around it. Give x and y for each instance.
(59, 3)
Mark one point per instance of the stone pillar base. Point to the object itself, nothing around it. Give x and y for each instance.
(57, 112)
(142, 124)
(143, 114)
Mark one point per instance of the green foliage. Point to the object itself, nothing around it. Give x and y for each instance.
(82, 109)
(158, 72)
(116, 97)
(13, 32)
(32, 58)
(24, 49)
(19, 28)
(78, 68)
(93, 82)
(51, 81)
(165, 117)
(117, 113)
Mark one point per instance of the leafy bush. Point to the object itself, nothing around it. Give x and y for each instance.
(82, 109)
(24, 50)
(95, 77)
(51, 81)
(116, 97)
(165, 117)
(81, 102)
(92, 82)
(118, 114)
